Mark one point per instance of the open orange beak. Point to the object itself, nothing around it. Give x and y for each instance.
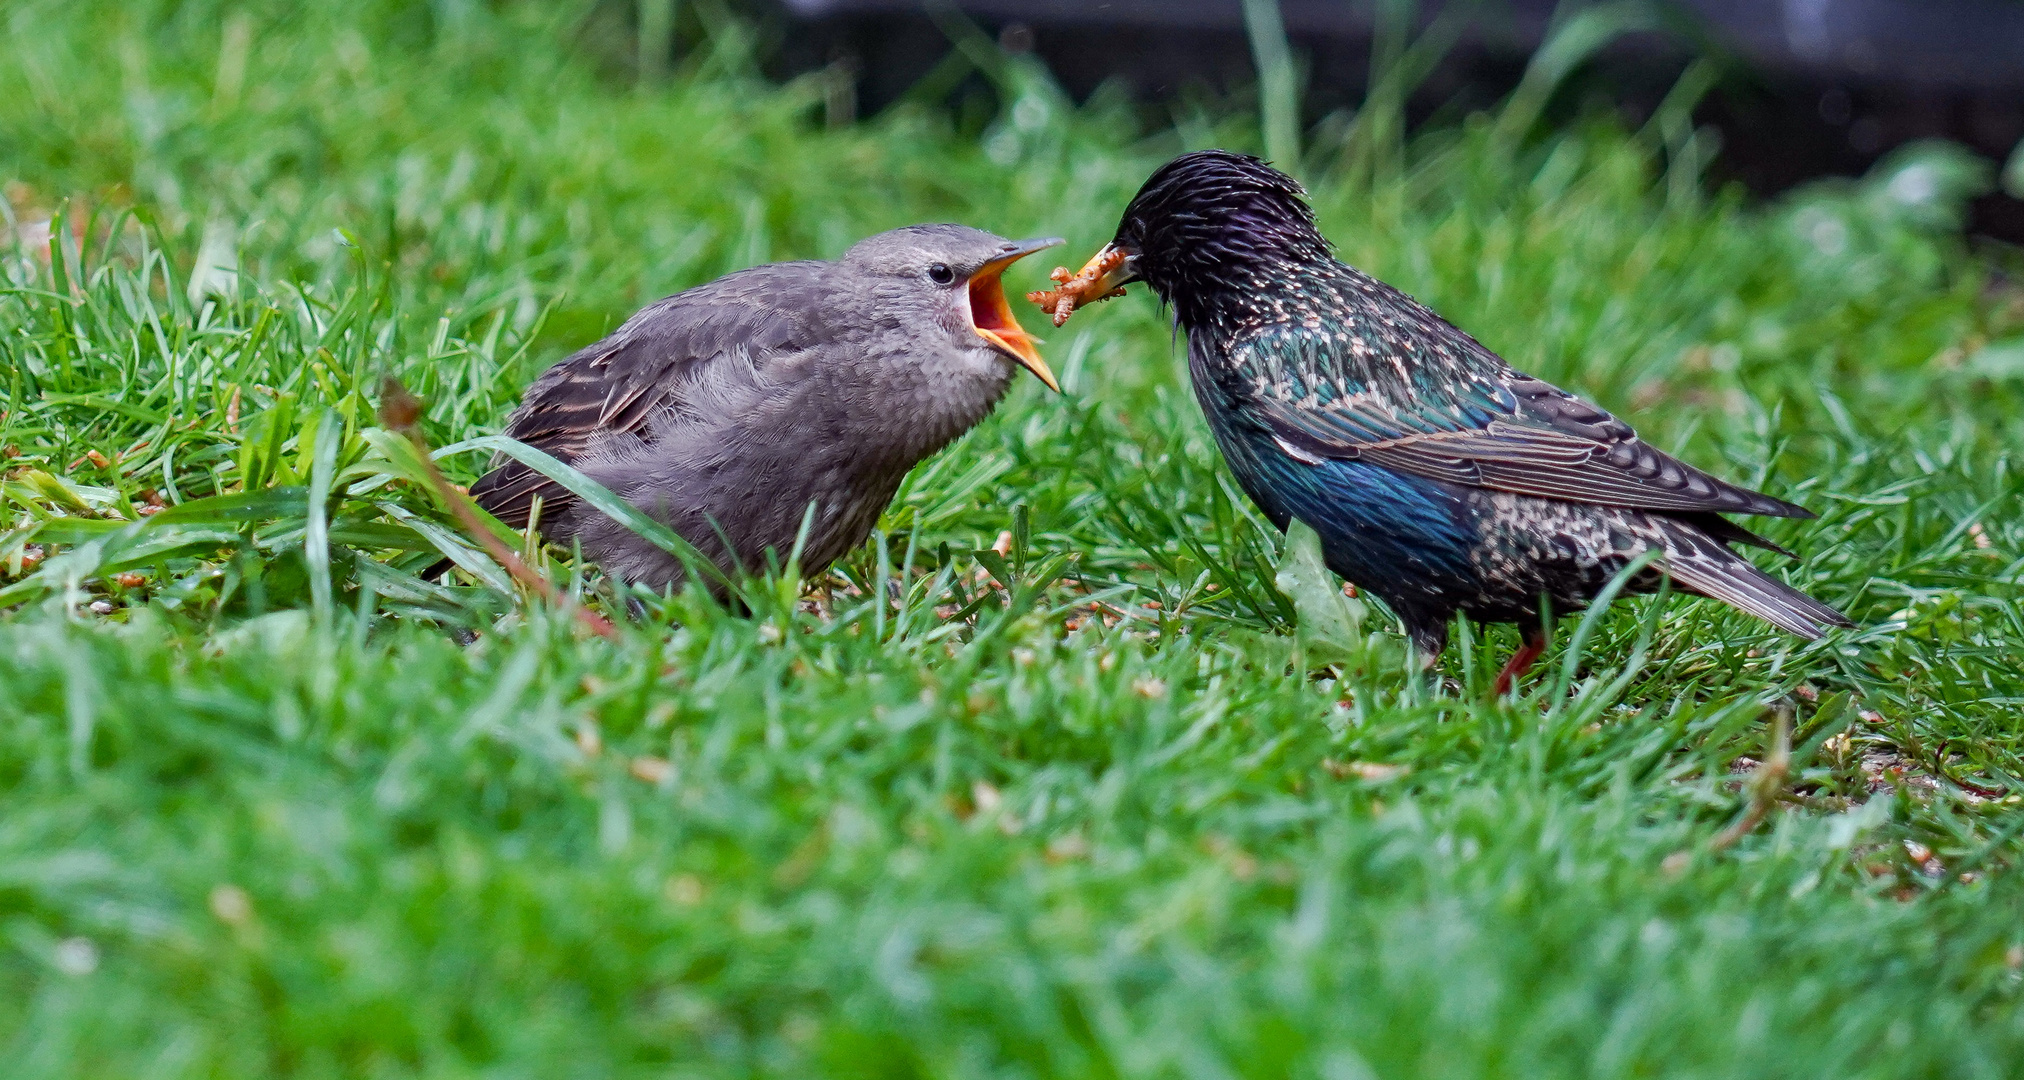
(992, 316)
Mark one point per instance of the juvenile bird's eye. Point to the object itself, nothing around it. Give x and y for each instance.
(941, 273)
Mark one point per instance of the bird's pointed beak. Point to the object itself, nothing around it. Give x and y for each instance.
(992, 316)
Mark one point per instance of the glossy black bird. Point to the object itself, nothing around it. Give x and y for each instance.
(725, 411)
(1439, 479)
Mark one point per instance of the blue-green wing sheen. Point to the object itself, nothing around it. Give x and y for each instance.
(1392, 395)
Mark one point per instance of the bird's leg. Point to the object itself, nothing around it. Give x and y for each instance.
(1521, 662)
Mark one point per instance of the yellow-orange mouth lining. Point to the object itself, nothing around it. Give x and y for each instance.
(991, 315)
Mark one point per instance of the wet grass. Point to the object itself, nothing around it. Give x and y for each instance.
(1080, 802)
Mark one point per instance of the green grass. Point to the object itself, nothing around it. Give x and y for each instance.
(1093, 808)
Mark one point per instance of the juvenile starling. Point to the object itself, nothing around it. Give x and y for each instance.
(725, 411)
(1439, 479)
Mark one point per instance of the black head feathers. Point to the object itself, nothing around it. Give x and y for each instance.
(1206, 225)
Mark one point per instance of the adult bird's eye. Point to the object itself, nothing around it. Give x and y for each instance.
(941, 273)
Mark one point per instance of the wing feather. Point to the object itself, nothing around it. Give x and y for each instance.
(1459, 414)
(646, 369)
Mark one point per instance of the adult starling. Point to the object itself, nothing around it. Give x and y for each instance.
(1439, 479)
(725, 411)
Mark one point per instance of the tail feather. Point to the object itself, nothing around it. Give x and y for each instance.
(500, 492)
(1700, 562)
(508, 493)
(1726, 531)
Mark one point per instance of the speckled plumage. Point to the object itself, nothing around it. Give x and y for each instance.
(726, 410)
(1439, 479)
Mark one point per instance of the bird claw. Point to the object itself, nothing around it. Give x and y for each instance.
(1079, 289)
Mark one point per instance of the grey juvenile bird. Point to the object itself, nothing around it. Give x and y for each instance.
(724, 411)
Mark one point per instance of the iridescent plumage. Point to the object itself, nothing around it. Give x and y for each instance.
(1440, 479)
